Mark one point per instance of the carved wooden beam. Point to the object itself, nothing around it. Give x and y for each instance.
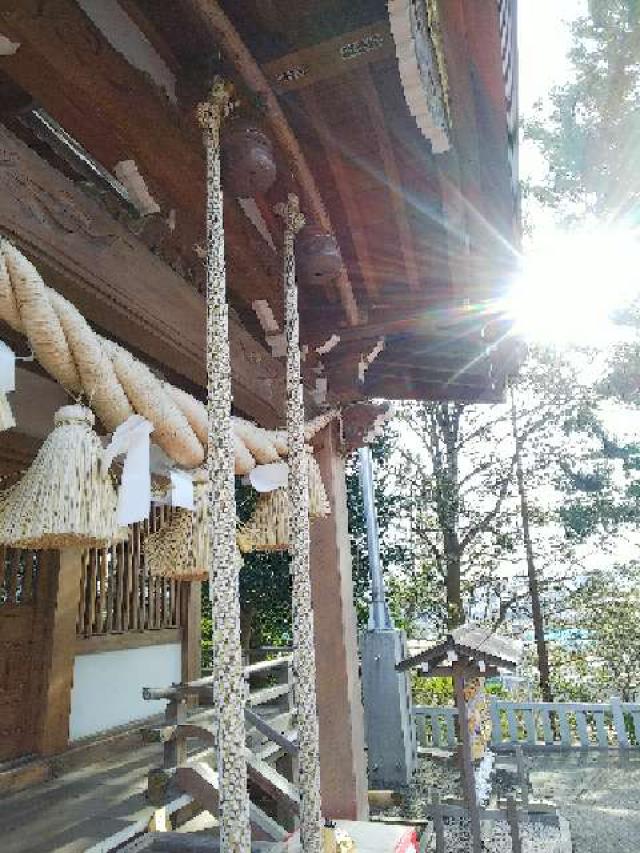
(119, 285)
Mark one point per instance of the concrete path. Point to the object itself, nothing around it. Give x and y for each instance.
(599, 794)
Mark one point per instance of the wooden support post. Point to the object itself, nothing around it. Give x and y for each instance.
(190, 621)
(522, 776)
(342, 759)
(512, 820)
(467, 764)
(438, 823)
(60, 649)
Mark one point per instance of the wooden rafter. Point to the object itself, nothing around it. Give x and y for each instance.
(225, 34)
(394, 183)
(340, 173)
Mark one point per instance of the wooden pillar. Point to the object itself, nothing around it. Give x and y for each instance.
(191, 630)
(343, 774)
(64, 596)
(468, 780)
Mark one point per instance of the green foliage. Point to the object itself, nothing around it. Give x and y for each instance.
(605, 661)
(265, 592)
(431, 691)
(590, 130)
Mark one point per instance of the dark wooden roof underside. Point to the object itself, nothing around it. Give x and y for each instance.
(429, 285)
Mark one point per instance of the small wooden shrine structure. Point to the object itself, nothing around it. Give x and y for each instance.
(395, 124)
(468, 655)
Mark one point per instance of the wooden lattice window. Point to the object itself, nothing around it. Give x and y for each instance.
(118, 595)
(18, 576)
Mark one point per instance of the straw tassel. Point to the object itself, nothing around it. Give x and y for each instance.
(66, 498)
(180, 548)
(268, 527)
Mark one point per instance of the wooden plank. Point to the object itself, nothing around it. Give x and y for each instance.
(468, 780)
(565, 731)
(101, 556)
(92, 593)
(438, 822)
(117, 555)
(351, 204)
(201, 782)
(530, 725)
(27, 576)
(512, 820)
(272, 783)
(546, 726)
(328, 59)
(191, 628)
(397, 193)
(581, 725)
(601, 730)
(267, 694)
(97, 644)
(13, 575)
(271, 733)
(56, 698)
(132, 618)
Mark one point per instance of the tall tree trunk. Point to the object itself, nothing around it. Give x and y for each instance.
(455, 610)
(534, 590)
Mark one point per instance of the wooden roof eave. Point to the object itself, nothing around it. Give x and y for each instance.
(227, 37)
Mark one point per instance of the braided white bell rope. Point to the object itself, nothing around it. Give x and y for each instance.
(229, 688)
(304, 661)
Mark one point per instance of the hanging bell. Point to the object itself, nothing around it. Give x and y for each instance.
(66, 499)
(318, 257)
(248, 162)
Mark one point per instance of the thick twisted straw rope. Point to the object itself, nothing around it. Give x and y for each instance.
(229, 688)
(304, 661)
(114, 383)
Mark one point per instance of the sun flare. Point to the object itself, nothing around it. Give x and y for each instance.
(571, 284)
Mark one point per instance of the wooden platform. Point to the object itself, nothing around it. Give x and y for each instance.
(72, 813)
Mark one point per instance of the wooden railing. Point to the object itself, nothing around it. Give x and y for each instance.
(118, 595)
(18, 576)
(540, 725)
(272, 748)
(565, 725)
(435, 726)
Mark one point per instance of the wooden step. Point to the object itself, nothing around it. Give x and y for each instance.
(200, 781)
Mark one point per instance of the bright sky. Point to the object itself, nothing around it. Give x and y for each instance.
(559, 297)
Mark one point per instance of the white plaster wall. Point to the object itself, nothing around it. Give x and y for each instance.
(107, 687)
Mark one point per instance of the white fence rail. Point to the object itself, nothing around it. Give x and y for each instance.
(540, 725)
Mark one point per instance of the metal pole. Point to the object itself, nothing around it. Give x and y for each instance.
(379, 618)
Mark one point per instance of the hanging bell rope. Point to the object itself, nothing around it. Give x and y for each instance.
(229, 690)
(304, 663)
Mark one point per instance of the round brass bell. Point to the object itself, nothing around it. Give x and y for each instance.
(248, 162)
(318, 256)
